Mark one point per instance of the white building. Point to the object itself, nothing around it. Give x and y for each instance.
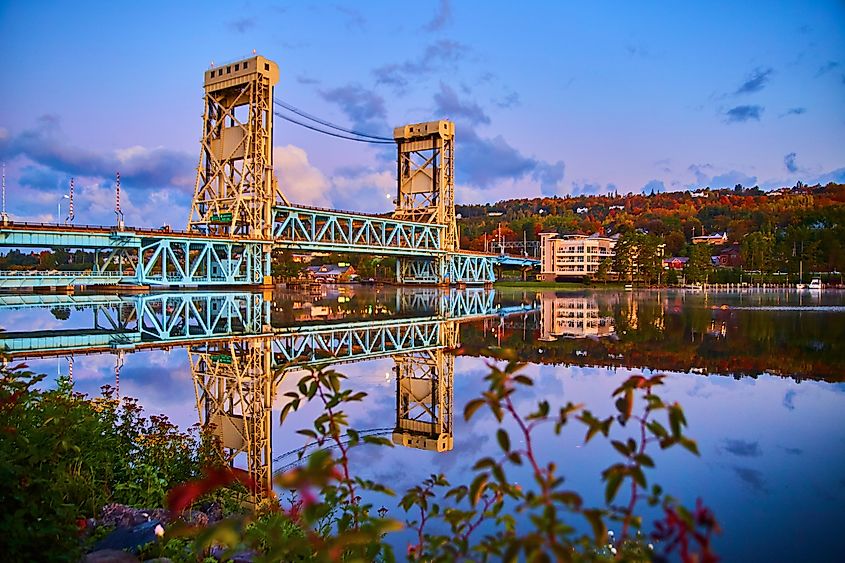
(573, 317)
(573, 256)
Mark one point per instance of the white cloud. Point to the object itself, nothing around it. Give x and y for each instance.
(367, 190)
(301, 182)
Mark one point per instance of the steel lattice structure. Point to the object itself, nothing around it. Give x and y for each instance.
(235, 188)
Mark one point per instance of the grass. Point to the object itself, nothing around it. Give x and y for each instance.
(563, 286)
(540, 284)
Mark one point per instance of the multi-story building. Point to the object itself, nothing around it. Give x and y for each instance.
(573, 256)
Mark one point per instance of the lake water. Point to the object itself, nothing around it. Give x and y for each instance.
(759, 374)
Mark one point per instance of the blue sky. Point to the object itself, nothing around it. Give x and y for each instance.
(549, 97)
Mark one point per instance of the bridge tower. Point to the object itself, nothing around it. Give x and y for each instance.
(235, 187)
(426, 192)
(424, 396)
(234, 389)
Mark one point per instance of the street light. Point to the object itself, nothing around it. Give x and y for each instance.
(59, 215)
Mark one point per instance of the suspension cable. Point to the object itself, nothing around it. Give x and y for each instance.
(338, 135)
(301, 113)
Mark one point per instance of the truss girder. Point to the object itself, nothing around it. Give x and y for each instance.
(453, 268)
(202, 262)
(315, 230)
(426, 176)
(355, 341)
(186, 318)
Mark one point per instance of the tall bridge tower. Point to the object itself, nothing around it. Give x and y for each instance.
(426, 192)
(236, 189)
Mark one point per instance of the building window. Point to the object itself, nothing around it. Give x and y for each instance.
(245, 65)
(237, 67)
(266, 66)
(228, 69)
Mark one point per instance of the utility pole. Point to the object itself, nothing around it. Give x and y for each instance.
(117, 210)
(70, 204)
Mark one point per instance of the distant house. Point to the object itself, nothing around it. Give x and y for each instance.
(714, 239)
(730, 257)
(699, 194)
(582, 210)
(675, 263)
(612, 207)
(332, 273)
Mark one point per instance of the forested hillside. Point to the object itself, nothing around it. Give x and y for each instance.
(775, 229)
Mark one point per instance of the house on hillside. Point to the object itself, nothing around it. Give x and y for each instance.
(714, 239)
(332, 273)
(730, 257)
(675, 263)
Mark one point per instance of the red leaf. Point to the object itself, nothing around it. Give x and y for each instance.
(182, 496)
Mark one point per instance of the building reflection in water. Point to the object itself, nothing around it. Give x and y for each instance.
(573, 317)
(238, 358)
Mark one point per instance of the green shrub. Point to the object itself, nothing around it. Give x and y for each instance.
(63, 456)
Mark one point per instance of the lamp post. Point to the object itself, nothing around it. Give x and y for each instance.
(59, 208)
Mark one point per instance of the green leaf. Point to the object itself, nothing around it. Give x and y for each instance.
(309, 433)
(523, 379)
(504, 440)
(471, 407)
(644, 460)
(690, 445)
(378, 440)
(476, 488)
(614, 481)
(483, 463)
(595, 519)
(621, 447)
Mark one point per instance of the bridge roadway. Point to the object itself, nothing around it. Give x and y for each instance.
(163, 257)
(125, 324)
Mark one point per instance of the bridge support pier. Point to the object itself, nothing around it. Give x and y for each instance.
(448, 269)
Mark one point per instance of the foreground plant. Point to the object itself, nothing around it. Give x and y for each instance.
(545, 521)
(63, 456)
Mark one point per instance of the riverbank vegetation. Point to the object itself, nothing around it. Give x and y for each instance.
(64, 455)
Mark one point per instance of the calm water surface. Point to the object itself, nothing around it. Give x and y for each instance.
(760, 376)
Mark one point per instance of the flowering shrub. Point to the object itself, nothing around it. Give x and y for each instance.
(64, 456)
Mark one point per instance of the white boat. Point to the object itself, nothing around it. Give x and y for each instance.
(800, 286)
(629, 287)
(815, 284)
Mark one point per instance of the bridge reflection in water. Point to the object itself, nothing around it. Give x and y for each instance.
(238, 359)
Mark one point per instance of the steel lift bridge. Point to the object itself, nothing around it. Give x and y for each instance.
(238, 359)
(239, 213)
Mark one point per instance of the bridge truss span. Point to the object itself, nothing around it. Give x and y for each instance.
(300, 228)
